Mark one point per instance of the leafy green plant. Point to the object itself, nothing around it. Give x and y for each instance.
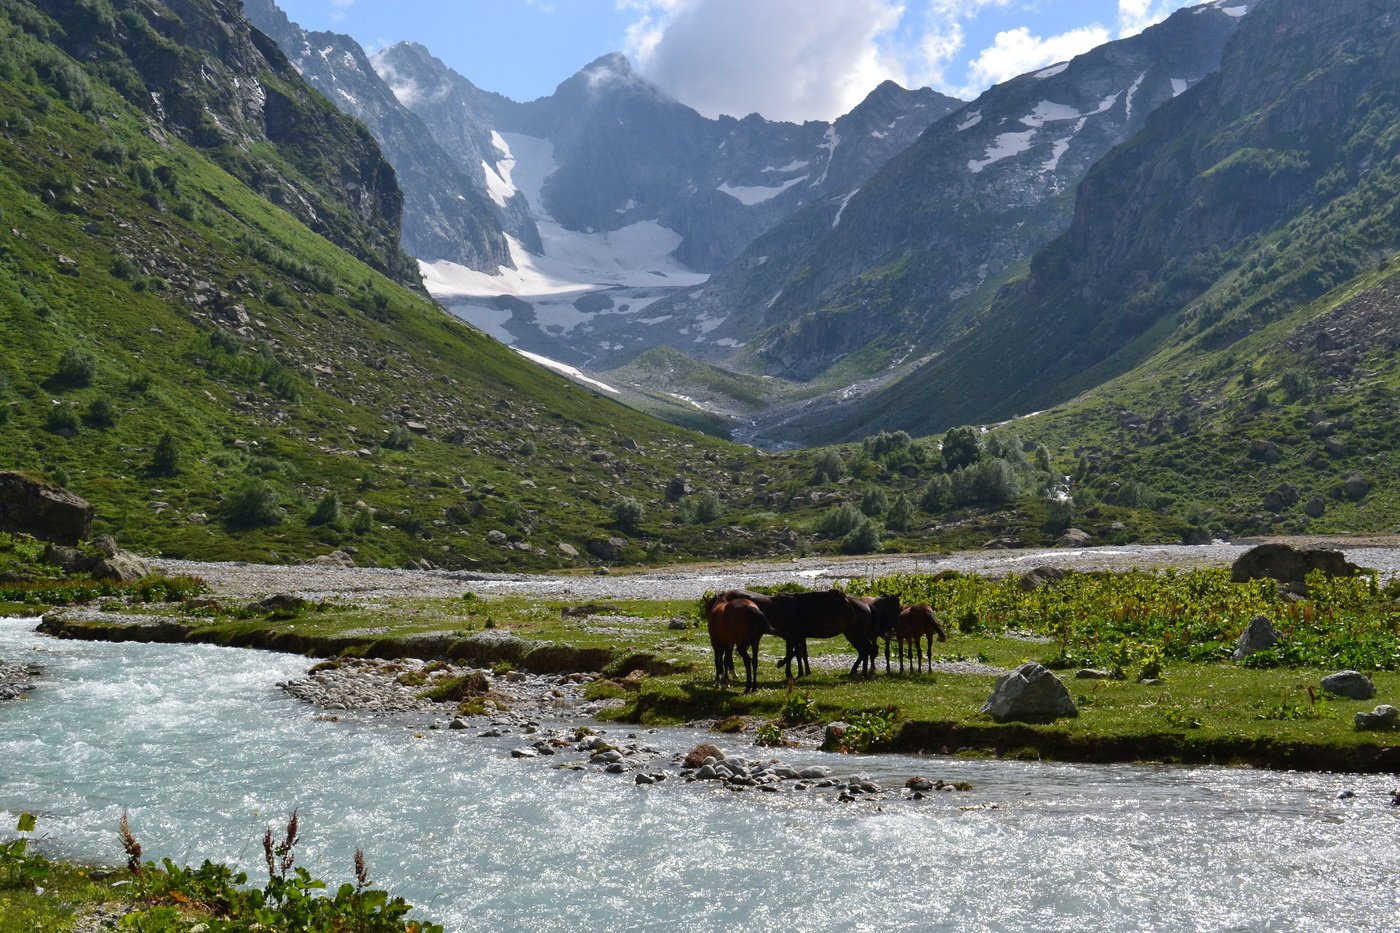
(799, 708)
(769, 735)
(254, 504)
(627, 513)
(19, 869)
(869, 730)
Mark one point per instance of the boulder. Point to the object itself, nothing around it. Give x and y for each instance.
(1041, 577)
(1074, 537)
(1030, 693)
(608, 549)
(568, 550)
(677, 489)
(697, 755)
(1257, 636)
(279, 602)
(1382, 717)
(45, 511)
(1316, 507)
(1264, 450)
(121, 567)
(1356, 486)
(1286, 564)
(1350, 685)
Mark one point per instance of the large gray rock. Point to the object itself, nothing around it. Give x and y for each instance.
(1031, 693)
(1352, 685)
(1382, 717)
(1074, 537)
(33, 507)
(609, 549)
(1257, 636)
(1288, 564)
(121, 567)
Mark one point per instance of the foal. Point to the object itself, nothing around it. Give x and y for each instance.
(736, 623)
(916, 623)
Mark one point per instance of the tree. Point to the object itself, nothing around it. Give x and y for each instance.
(961, 447)
(628, 513)
(254, 504)
(829, 467)
(166, 459)
(900, 515)
(875, 502)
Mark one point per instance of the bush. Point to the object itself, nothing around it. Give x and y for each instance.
(701, 508)
(62, 419)
(829, 467)
(938, 495)
(628, 513)
(101, 413)
(76, 368)
(875, 502)
(327, 510)
(961, 448)
(900, 515)
(840, 520)
(165, 461)
(863, 539)
(1059, 515)
(255, 504)
(398, 438)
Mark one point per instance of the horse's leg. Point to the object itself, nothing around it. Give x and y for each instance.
(804, 663)
(719, 664)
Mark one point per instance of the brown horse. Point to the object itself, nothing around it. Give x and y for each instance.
(735, 623)
(795, 617)
(916, 623)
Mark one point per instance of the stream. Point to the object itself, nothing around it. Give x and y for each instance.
(204, 750)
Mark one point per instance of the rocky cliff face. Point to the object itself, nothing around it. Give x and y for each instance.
(447, 211)
(621, 152)
(1261, 189)
(200, 71)
(977, 194)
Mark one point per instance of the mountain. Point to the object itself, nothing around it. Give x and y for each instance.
(892, 262)
(1259, 191)
(447, 211)
(628, 194)
(199, 332)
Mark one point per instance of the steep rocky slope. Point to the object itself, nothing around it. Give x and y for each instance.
(447, 212)
(975, 196)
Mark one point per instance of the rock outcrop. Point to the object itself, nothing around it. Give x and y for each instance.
(44, 511)
(1287, 564)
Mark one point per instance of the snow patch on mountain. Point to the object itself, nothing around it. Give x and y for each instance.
(1132, 92)
(1179, 86)
(1051, 71)
(842, 209)
(795, 165)
(565, 369)
(749, 196)
(972, 120)
(833, 139)
(1004, 147)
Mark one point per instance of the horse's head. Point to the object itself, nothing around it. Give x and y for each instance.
(884, 612)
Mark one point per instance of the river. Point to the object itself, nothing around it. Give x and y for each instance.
(204, 750)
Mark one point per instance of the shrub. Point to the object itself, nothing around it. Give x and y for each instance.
(76, 368)
(875, 502)
(840, 520)
(165, 461)
(701, 508)
(863, 539)
(327, 510)
(628, 513)
(961, 448)
(828, 467)
(363, 522)
(398, 438)
(101, 413)
(938, 494)
(1059, 514)
(254, 504)
(62, 419)
(900, 515)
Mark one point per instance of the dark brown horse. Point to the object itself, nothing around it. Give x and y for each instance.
(796, 617)
(735, 623)
(916, 623)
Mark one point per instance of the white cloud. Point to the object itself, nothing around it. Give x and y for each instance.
(1136, 15)
(1015, 52)
(785, 59)
(339, 12)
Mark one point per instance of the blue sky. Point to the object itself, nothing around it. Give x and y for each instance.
(786, 59)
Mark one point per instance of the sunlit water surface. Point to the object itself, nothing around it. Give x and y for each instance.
(204, 751)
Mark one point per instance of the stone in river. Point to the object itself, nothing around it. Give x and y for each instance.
(524, 753)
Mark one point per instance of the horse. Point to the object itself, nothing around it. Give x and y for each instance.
(915, 624)
(795, 617)
(877, 617)
(735, 623)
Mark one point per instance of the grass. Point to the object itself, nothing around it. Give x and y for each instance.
(1201, 708)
